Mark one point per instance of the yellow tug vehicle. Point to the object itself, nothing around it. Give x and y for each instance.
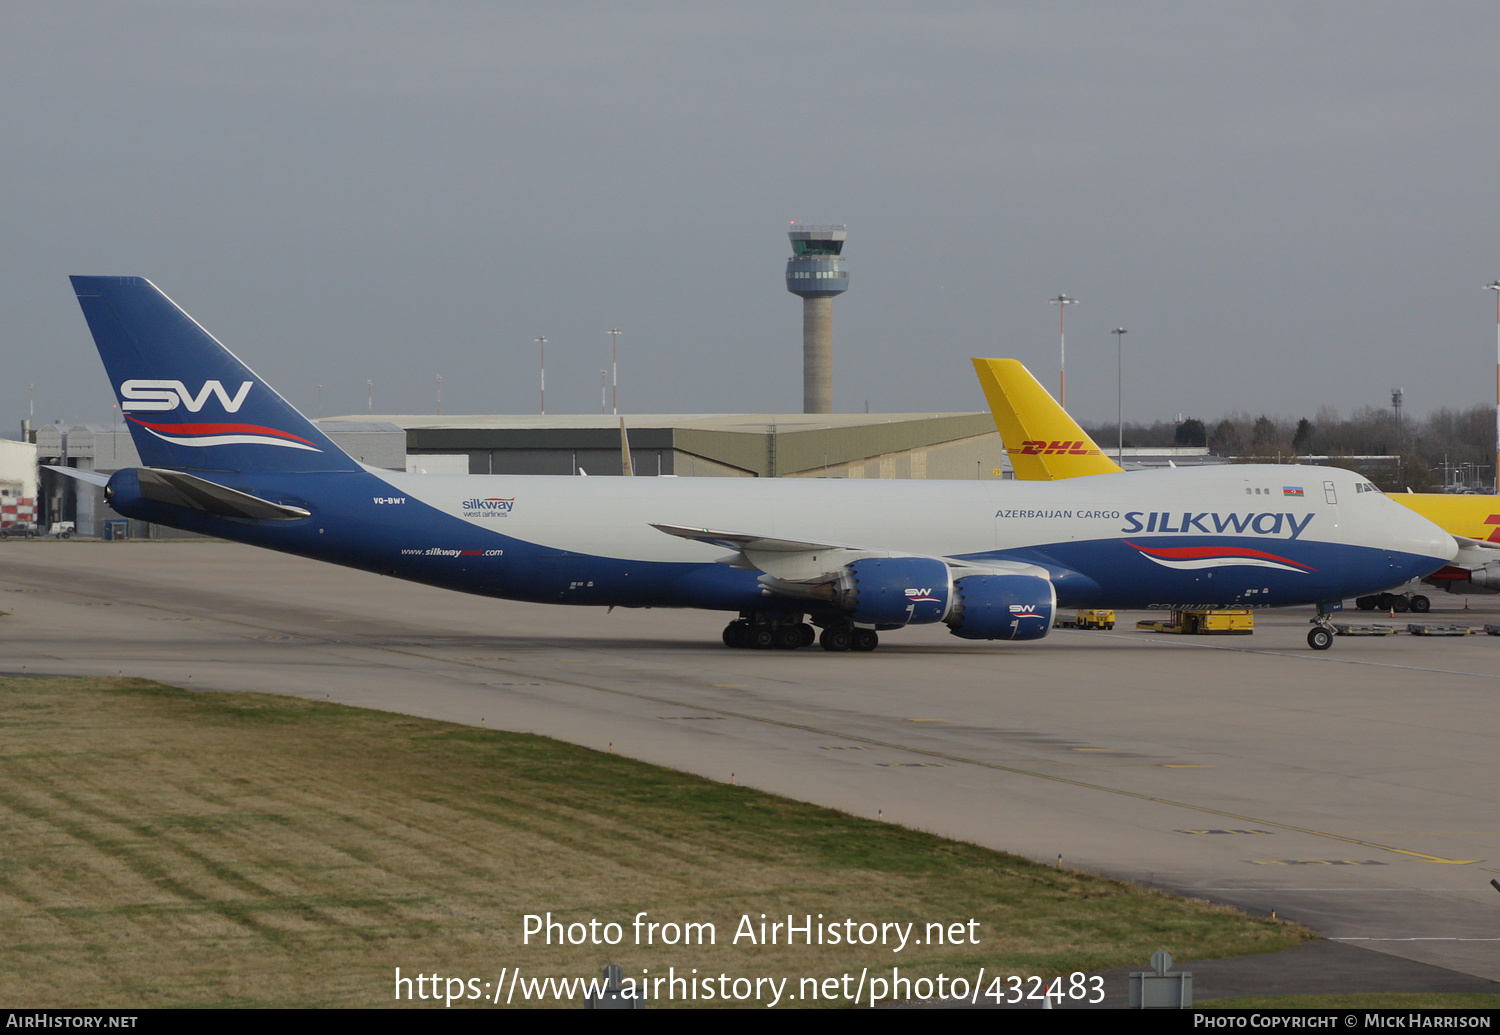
(1233, 622)
(1086, 619)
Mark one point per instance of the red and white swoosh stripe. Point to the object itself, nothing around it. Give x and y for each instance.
(1191, 558)
(225, 435)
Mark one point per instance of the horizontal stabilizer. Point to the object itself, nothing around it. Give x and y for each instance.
(92, 477)
(186, 490)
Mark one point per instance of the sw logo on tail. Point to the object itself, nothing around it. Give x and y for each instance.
(140, 395)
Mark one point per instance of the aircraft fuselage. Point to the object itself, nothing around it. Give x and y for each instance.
(1236, 536)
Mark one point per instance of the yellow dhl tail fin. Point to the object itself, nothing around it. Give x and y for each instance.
(1043, 442)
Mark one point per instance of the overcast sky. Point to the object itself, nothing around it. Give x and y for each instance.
(1287, 205)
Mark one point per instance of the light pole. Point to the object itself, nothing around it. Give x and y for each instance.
(614, 363)
(1062, 302)
(440, 394)
(1119, 333)
(542, 341)
(1495, 287)
(1397, 394)
(370, 402)
(603, 391)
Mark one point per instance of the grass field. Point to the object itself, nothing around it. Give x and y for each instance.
(166, 847)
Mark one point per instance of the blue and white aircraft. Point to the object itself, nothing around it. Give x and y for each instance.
(227, 456)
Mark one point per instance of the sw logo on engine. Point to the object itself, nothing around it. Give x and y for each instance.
(142, 395)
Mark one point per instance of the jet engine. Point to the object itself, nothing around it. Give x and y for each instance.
(1487, 577)
(889, 592)
(1002, 607)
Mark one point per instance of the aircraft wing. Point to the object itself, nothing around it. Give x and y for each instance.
(798, 561)
(748, 541)
(798, 566)
(1042, 441)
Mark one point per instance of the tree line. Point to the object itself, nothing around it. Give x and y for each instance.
(1452, 447)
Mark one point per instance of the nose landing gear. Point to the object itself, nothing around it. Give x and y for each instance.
(1320, 636)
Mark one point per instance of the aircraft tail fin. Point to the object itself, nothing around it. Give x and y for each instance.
(1042, 441)
(189, 402)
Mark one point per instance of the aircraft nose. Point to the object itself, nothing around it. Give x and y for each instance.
(1414, 534)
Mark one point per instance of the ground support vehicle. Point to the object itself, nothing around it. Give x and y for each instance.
(1087, 619)
(1236, 622)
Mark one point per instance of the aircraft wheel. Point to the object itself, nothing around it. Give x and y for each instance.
(835, 639)
(865, 639)
(808, 635)
(762, 637)
(788, 637)
(1420, 604)
(737, 635)
(1366, 603)
(1319, 638)
(1400, 604)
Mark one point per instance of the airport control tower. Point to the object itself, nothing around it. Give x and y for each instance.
(816, 272)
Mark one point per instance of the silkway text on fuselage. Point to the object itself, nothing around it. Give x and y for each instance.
(1267, 524)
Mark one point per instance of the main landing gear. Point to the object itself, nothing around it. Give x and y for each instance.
(848, 637)
(764, 635)
(759, 633)
(1397, 602)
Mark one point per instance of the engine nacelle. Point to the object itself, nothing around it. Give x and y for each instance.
(896, 591)
(1487, 577)
(1002, 607)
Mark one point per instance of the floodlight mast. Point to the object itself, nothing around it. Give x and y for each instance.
(1062, 302)
(1119, 333)
(542, 343)
(1495, 287)
(614, 365)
